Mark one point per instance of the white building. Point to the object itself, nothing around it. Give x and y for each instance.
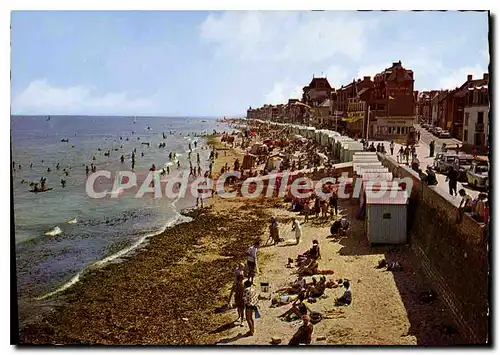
(476, 112)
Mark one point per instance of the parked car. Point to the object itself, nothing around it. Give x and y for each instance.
(477, 174)
(424, 125)
(444, 134)
(444, 161)
(437, 131)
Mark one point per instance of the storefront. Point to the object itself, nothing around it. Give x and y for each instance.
(394, 127)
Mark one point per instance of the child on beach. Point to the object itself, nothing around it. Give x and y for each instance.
(252, 260)
(303, 334)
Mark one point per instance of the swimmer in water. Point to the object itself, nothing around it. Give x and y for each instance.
(48, 170)
(63, 182)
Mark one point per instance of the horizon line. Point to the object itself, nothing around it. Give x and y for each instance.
(125, 116)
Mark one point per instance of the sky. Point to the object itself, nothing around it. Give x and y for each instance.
(220, 63)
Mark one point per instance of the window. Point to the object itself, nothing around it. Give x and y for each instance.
(476, 97)
(480, 117)
(466, 123)
(466, 136)
(479, 139)
(386, 216)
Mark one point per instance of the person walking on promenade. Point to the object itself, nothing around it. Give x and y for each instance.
(452, 181)
(401, 154)
(407, 154)
(250, 299)
(431, 148)
(391, 147)
(252, 261)
(418, 136)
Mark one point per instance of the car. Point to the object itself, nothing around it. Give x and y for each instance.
(477, 174)
(433, 129)
(437, 131)
(444, 134)
(424, 125)
(444, 161)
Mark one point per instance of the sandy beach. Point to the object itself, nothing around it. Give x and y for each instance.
(167, 293)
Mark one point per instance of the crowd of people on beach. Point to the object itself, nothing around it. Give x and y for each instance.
(295, 294)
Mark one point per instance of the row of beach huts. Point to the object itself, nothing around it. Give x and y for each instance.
(383, 199)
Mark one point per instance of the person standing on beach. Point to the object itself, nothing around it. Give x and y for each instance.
(238, 289)
(252, 261)
(334, 203)
(298, 230)
(391, 147)
(250, 299)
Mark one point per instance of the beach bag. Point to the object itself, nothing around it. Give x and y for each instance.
(257, 314)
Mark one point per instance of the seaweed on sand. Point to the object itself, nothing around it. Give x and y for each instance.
(153, 297)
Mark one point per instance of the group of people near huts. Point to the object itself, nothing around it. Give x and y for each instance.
(295, 294)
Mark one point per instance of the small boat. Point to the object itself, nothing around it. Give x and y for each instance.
(48, 118)
(44, 190)
(203, 121)
(65, 140)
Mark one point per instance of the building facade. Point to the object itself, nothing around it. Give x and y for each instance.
(392, 103)
(476, 114)
(316, 92)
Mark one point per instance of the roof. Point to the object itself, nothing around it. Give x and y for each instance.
(362, 91)
(326, 103)
(316, 81)
(388, 198)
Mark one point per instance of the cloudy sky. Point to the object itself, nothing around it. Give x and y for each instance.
(219, 63)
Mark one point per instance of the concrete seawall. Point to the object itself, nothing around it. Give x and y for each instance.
(453, 256)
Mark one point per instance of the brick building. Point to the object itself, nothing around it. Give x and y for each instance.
(392, 103)
(453, 104)
(316, 92)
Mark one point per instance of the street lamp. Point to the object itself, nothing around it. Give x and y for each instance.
(367, 121)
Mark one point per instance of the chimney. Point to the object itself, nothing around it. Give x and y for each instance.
(469, 77)
(486, 76)
(366, 78)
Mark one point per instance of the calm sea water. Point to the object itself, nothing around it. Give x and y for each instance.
(103, 227)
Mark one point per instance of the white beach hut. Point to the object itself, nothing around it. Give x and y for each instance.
(352, 148)
(386, 216)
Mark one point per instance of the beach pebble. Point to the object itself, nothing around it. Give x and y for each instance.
(185, 319)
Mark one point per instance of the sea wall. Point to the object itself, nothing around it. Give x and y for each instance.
(453, 255)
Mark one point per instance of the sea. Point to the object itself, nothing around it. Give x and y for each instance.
(62, 233)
